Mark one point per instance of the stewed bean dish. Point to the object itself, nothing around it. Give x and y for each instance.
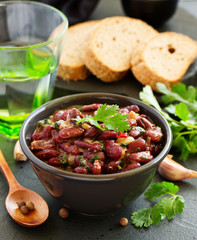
(87, 140)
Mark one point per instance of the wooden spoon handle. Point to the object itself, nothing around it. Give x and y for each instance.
(4, 168)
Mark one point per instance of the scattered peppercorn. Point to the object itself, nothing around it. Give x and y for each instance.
(30, 205)
(63, 213)
(20, 203)
(123, 221)
(24, 209)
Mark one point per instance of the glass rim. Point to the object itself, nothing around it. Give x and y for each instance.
(63, 16)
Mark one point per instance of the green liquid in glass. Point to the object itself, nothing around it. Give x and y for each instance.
(26, 81)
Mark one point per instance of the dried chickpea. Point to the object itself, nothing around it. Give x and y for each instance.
(123, 221)
(63, 213)
(30, 205)
(24, 210)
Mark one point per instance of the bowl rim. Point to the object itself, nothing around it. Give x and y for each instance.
(88, 177)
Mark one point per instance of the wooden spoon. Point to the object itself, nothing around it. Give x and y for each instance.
(18, 193)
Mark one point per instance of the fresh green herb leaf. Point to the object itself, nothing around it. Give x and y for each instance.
(165, 208)
(109, 116)
(158, 189)
(106, 111)
(178, 204)
(148, 97)
(181, 113)
(177, 97)
(157, 214)
(142, 217)
(96, 157)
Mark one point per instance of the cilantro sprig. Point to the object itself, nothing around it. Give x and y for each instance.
(109, 116)
(181, 113)
(166, 207)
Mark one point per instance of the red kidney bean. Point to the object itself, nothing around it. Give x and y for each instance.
(64, 115)
(88, 165)
(42, 144)
(123, 111)
(134, 108)
(155, 134)
(112, 167)
(136, 132)
(143, 122)
(131, 166)
(91, 107)
(47, 154)
(74, 112)
(88, 146)
(71, 132)
(54, 162)
(132, 122)
(79, 161)
(57, 115)
(96, 167)
(141, 157)
(112, 149)
(46, 133)
(107, 135)
(55, 136)
(154, 149)
(91, 132)
(76, 162)
(102, 163)
(137, 146)
(69, 148)
(80, 170)
(94, 155)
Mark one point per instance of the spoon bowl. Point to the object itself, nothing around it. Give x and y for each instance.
(18, 193)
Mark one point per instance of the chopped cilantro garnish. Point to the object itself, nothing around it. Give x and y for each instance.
(56, 126)
(119, 167)
(64, 160)
(109, 116)
(124, 145)
(96, 157)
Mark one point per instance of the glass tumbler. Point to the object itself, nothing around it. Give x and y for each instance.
(32, 36)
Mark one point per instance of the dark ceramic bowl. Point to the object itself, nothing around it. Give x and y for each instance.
(154, 12)
(93, 194)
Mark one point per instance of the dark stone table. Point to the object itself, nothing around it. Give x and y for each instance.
(182, 227)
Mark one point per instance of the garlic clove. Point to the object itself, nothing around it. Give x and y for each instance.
(174, 171)
(18, 153)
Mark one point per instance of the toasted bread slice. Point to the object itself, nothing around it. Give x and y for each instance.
(108, 47)
(165, 58)
(71, 67)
